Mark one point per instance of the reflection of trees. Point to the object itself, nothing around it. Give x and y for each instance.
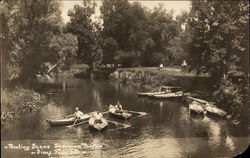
(96, 96)
(218, 135)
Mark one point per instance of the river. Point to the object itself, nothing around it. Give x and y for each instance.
(166, 131)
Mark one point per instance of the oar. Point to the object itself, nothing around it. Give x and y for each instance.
(140, 113)
(75, 121)
(125, 125)
(105, 112)
(78, 124)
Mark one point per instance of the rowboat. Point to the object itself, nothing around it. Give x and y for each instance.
(215, 111)
(98, 124)
(158, 91)
(67, 120)
(210, 107)
(148, 93)
(196, 107)
(169, 95)
(123, 114)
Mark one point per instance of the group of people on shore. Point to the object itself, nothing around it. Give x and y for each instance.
(183, 65)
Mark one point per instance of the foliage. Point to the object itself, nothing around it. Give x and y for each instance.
(30, 28)
(232, 96)
(134, 35)
(84, 28)
(66, 45)
(17, 100)
(219, 32)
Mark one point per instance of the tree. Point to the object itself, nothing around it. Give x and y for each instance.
(66, 46)
(219, 31)
(162, 29)
(84, 28)
(115, 32)
(30, 25)
(219, 36)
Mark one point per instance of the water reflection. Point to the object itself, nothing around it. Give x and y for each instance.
(166, 131)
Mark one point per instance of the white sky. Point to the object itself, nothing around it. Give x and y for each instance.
(176, 6)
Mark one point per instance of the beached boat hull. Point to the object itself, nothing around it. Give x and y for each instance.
(197, 108)
(214, 111)
(148, 93)
(98, 125)
(122, 115)
(66, 121)
(169, 95)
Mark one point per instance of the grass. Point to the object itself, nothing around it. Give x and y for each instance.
(173, 71)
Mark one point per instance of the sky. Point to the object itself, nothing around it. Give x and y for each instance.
(176, 6)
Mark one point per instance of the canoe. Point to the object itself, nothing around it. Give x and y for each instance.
(169, 95)
(123, 114)
(93, 123)
(215, 111)
(66, 121)
(196, 107)
(148, 93)
(159, 91)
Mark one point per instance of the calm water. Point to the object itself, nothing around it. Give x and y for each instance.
(166, 131)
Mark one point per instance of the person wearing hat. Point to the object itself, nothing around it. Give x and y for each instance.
(78, 114)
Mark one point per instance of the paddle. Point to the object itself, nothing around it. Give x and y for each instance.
(140, 113)
(105, 112)
(75, 121)
(125, 125)
(78, 123)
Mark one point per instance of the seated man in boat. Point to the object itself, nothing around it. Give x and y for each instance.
(118, 107)
(98, 117)
(78, 114)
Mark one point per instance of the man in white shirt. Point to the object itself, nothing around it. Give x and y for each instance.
(98, 116)
(78, 114)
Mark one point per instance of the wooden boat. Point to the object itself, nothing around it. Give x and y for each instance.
(169, 95)
(210, 107)
(196, 107)
(67, 120)
(158, 91)
(148, 93)
(98, 124)
(123, 114)
(215, 111)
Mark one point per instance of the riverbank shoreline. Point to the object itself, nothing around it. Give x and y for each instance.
(147, 78)
(15, 101)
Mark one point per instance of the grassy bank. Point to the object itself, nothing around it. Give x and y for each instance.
(151, 77)
(18, 100)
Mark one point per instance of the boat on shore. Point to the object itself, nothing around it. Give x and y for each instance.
(215, 111)
(124, 114)
(159, 92)
(67, 120)
(169, 95)
(210, 108)
(148, 93)
(196, 107)
(97, 124)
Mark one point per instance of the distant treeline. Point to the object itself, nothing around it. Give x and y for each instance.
(212, 37)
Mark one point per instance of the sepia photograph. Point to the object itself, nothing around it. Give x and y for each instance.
(124, 78)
